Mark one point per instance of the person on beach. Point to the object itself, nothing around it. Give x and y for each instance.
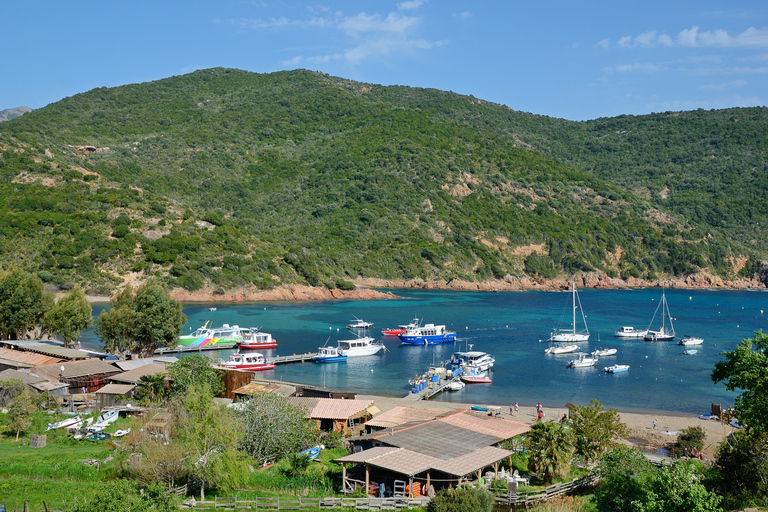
(538, 418)
(517, 409)
(538, 407)
(654, 424)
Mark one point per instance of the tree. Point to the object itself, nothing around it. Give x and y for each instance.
(688, 438)
(71, 314)
(274, 428)
(127, 496)
(194, 370)
(747, 369)
(21, 410)
(22, 303)
(140, 322)
(550, 448)
(624, 472)
(741, 464)
(152, 387)
(595, 429)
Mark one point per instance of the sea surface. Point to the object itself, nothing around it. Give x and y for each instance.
(510, 325)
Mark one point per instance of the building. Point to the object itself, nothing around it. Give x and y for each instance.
(347, 416)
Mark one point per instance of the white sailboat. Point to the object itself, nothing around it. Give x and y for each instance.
(665, 333)
(571, 335)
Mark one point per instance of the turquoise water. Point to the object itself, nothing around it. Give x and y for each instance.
(509, 325)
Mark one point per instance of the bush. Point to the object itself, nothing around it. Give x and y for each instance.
(462, 499)
(688, 438)
(343, 284)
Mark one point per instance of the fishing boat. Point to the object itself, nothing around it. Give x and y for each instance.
(253, 339)
(226, 336)
(561, 349)
(329, 355)
(472, 359)
(429, 334)
(689, 341)
(571, 335)
(249, 361)
(583, 361)
(359, 324)
(476, 378)
(360, 346)
(629, 332)
(604, 352)
(73, 422)
(616, 368)
(664, 333)
(401, 328)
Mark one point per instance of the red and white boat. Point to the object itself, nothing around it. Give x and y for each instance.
(401, 328)
(253, 339)
(476, 378)
(250, 361)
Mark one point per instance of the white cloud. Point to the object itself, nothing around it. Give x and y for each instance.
(463, 14)
(720, 87)
(191, 68)
(410, 5)
(605, 43)
(693, 38)
(641, 67)
(376, 23)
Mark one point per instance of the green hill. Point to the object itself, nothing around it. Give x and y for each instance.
(229, 178)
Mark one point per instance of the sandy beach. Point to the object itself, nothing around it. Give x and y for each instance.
(642, 431)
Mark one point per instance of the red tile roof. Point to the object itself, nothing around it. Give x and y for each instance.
(338, 409)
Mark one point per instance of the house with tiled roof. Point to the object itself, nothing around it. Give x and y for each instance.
(347, 416)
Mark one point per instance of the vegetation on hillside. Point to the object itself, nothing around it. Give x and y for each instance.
(228, 178)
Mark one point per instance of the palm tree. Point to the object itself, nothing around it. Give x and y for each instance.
(152, 387)
(550, 447)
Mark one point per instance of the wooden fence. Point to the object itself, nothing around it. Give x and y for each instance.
(299, 503)
(532, 497)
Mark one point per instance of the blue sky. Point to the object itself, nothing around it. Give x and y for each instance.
(566, 59)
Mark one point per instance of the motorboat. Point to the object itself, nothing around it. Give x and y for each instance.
(360, 346)
(472, 358)
(629, 332)
(690, 351)
(664, 333)
(253, 339)
(226, 336)
(572, 335)
(476, 378)
(329, 355)
(583, 361)
(456, 385)
(690, 341)
(561, 349)
(604, 352)
(249, 361)
(429, 334)
(359, 324)
(616, 368)
(401, 328)
(73, 422)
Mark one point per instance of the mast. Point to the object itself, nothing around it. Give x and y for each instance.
(573, 287)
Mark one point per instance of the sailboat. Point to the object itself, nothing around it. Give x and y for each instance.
(665, 333)
(570, 335)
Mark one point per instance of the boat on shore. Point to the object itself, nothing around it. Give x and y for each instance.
(690, 341)
(604, 352)
(629, 332)
(429, 334)
(253, 339)
(664, 333)
(401, 329)
(616, 368)
(328, 355)
(561, 349)
(583, 361)
(572, 335)
(249, 361)
(73, 422)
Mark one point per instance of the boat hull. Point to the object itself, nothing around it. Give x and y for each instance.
(392, 332)
(561, 350)
(329, 359)
(253, 367)
(569, 337)
(417, 339)
(658, 336)
(476, 379)
(617, 368)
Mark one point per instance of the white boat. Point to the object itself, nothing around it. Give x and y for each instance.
(360, 346)
(616, 368)
(583, 361)
(571, 335)
(630, 332)
(561, 349)
(604, 352)
(104, 420)
(248, 361)
(121, 433)
(690, 341)
(472, 358)
(456, 385)
(476, 378)
(359, 324)
(429, 334)
(664, 333)
(73, 422)
(690, 351)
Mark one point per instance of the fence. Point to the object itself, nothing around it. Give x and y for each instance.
(299, 503)
(531, 497)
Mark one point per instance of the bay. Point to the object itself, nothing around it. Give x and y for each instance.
(509, 325)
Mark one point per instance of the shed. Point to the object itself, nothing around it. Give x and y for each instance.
(134, 376)
(347, 416)
(11, 359)
(81, 376)
(107, 395)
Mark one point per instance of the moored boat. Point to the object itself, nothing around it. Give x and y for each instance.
(583, 361)
(664, 333)
(604, 352)
(249, 361)
(690, 341)
(428, 334)
(359, 324)
(224, 336)
(616, 368)
(456, 385)
(690, 351)
(561, 349)
(401, 329)
(472, 358)
(329, 355)
(572, 335)
(253, 339)
(360, 346)
(476, 378)
(629, 332)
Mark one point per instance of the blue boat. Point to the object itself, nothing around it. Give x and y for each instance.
(313, 452)
(329, 355)
(430, 334)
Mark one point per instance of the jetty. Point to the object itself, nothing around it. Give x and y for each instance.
(183, 349)
(294, 358)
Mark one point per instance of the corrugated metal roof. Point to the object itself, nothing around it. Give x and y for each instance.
(338, 409)
(400, 415)
(134, 376)
(49, 348)
(473, 461)
(500, 428)
(25, 377)
(116, 389)
(73, 369)
(367, 455)
(28, 358)
(437, 439)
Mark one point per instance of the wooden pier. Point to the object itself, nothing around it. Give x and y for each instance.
(295, 358)
(428, 392)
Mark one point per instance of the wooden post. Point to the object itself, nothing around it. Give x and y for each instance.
(428, 475)
(366, 478)
(410, 486)
(343, 478)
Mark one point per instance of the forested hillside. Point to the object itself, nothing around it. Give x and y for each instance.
(227, 178)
